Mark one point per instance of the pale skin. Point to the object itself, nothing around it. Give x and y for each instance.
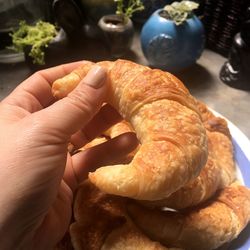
(38, 176)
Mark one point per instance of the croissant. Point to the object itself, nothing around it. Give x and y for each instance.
(167, 123)
(207, 227)
(211, 122)
(94, 142)
(218, 172)
(118, 129)
(213, 176)
(101, 222)
(96, 216)
(128, 237)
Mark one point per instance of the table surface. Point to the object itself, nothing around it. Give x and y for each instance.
(202, 79)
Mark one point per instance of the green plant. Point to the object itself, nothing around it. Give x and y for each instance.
(126, 9)
(37, 37)
(180, 11)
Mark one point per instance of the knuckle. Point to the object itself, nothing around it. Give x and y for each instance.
(81, 100)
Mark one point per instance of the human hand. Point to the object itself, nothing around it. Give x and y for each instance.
(37, 174)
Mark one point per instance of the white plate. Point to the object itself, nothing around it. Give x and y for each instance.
(242, 157)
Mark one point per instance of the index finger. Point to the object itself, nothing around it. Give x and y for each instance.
(34, 93)
(113, 151)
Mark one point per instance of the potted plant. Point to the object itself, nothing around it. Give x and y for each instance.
(150, 6)
(36, 41)
(118, 28)
(173, 37)
(95, 9)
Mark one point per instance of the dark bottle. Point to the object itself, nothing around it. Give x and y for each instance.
(236, 71)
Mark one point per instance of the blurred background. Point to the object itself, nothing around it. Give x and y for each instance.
(222, 19)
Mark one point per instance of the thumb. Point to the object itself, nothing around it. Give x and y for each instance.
(73, 112)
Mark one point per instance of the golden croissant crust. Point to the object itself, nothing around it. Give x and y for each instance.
(218, 172)
(102, 223)
(206, 227)
(166, 120)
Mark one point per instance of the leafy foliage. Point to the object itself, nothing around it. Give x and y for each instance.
(38, 37)
(126, 9)
(180, 11)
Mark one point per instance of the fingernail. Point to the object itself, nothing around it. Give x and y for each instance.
(95, 77)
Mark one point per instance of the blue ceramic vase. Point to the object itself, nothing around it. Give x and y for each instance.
(169, 46)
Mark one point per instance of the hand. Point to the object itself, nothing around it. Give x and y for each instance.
(37, 174)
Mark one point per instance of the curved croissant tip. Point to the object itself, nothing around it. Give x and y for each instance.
(91, 177)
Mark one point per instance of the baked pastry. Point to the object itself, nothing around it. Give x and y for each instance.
(94, 142)
(128, 237)
(207, 227)
(211, 122)
(118, 129)
(96, 216)
(102, 223)
(167, 123)
(219, 171)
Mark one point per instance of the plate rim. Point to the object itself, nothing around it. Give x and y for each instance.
(241, 145)
(241, 138)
